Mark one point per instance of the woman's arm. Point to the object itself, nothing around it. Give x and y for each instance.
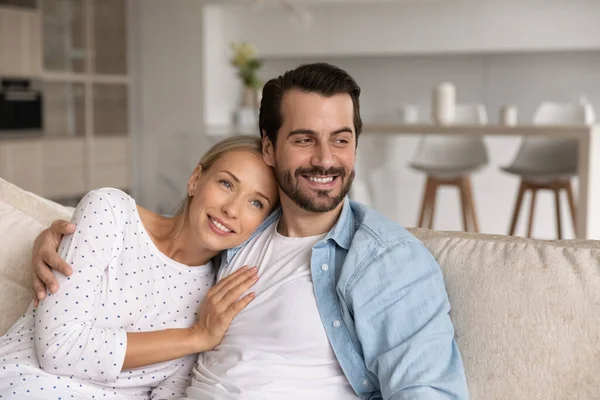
(68, 340)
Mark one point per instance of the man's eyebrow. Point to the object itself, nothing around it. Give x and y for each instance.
(302, 132)
(345, 129)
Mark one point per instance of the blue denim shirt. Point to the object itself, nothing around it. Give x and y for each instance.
(383, 303)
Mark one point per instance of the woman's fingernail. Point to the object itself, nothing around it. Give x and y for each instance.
(40, 295)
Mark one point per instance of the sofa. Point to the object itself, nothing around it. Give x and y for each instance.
(526, 312)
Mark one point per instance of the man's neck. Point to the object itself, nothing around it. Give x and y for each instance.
(297, 222)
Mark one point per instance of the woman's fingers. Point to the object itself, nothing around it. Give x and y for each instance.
(222, 287)
(233, 293)
(239, 305)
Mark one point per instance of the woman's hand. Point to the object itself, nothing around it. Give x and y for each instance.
(221, 305)
(45, 258)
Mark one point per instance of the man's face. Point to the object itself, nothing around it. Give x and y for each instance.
(315, 151)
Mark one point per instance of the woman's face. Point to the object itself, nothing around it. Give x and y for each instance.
(230, 199)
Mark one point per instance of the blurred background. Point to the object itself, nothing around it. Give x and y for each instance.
(130, 93)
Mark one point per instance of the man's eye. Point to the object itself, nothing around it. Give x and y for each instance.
(226, 183)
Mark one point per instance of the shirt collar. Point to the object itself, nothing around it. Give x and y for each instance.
(343, 230)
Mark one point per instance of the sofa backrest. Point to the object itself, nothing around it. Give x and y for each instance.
(526, 313)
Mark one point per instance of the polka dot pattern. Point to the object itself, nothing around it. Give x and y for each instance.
(73, 345)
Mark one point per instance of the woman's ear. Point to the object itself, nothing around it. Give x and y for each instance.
(193, 181)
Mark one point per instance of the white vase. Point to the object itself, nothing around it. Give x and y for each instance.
(443, 105)
(509, 115)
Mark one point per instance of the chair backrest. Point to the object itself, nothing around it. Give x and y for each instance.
(455, 151)
(547, 155)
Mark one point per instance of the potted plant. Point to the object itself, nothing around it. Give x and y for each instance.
(246, 62)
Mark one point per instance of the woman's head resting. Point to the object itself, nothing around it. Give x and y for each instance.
(230, 193)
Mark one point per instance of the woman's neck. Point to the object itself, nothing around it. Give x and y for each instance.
(174, 238)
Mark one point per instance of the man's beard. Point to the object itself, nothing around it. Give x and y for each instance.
(291, 188)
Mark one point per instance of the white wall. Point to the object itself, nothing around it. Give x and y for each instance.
(168, 92)
(521, 79)
(421, 27)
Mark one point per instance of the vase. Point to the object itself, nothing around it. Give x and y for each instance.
(444, 103)
(250, 97)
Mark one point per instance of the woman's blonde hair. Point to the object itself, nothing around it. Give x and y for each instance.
(249, 143)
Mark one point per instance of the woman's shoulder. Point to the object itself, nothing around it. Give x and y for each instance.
(107, 200)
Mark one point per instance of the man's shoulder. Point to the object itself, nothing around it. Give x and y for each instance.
(370, 224)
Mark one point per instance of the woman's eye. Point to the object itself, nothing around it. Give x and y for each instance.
(226, 183)
(257, 204)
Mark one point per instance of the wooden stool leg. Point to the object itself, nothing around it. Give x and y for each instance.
(471, 200)
(424, 202)
(531, 210)
(517, 210)
(464, 201)
(556, 189)
(571, 200)
(432, 197)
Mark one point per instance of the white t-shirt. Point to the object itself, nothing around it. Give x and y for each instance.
(121, 283)
(277, 347)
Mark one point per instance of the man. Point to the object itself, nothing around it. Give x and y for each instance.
(349, 304)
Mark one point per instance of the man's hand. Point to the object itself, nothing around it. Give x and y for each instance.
(45, 258)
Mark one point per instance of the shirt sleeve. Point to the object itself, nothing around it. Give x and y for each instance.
(175, 385)
(68, 339)
(401, 312)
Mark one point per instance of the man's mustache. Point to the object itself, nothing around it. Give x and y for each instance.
(321, 171)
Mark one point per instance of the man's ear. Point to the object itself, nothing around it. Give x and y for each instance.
(268, 150)
(193, 181)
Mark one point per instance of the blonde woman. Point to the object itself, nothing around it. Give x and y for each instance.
(140, 302)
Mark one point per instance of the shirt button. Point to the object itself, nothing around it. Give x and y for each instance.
(365, 383)
(336, 323)
(324, 267)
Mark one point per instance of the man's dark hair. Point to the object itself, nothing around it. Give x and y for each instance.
(321, 78)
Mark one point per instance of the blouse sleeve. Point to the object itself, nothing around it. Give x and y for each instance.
(68, 339)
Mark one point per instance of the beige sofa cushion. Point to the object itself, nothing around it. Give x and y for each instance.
(22, 216)
(526, 313)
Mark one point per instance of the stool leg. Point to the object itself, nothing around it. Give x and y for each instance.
(517, 210)
(464, 201)
(531, 210)
(471, 199)
(556, 189)
(432, 198)
(424, 201)
(571, 199)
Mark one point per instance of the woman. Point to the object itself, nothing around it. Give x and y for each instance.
(122, 325)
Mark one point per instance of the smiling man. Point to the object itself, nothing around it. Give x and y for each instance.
(348, 304)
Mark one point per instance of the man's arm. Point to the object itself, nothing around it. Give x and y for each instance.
(400, 308)
(45, 258)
